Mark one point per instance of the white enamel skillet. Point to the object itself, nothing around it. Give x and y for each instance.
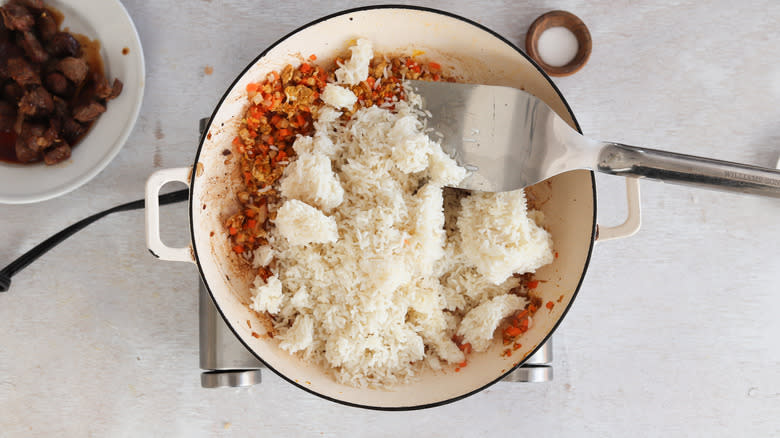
(466, 50)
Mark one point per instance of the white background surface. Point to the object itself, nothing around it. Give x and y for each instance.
(675, 331)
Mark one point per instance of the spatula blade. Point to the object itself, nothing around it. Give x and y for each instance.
(498, 133)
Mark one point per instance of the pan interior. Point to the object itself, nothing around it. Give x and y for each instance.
(473, 54)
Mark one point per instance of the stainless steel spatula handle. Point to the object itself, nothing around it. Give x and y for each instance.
(624, 160)
(511, 139)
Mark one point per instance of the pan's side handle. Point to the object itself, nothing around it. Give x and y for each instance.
(633, 220)
(153, 241)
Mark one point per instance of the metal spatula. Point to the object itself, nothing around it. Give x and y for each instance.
(511, 139)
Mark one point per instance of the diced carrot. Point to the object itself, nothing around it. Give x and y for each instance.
(550, 305)
(237, 141)
(523, 326)
(434, 65)
(463, 364)
(255, 112)
(284, 132)
(305, 68)
(250, 213)
(232, 231)
(238, 249)
(513, 331)
(312, 57)
(371, 81)
(517, 346)
(251, 223)
(252, 87)
(533, 284)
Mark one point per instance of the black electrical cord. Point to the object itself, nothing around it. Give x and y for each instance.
(43, 247)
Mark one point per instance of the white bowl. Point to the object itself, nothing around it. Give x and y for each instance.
(108, 22)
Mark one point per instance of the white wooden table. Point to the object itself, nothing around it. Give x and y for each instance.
(675, 331)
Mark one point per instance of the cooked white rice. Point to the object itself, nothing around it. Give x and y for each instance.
(371, 279)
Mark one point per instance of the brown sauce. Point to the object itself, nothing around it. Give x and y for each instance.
(58, 16)
(8, 146)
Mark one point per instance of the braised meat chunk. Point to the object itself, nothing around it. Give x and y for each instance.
(57, 154)
(63, 44)
(32, 47)
(37, 102)
(116, 89)
(72, 130)
(31, 142)
(88, 112)
(57, 83)
(47, 26)
(75, 69)
(12, 91)
(23, 72)
(17, 17)
(105, 91)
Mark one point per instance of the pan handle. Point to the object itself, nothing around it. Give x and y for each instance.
(153, 241)
(633, 219)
